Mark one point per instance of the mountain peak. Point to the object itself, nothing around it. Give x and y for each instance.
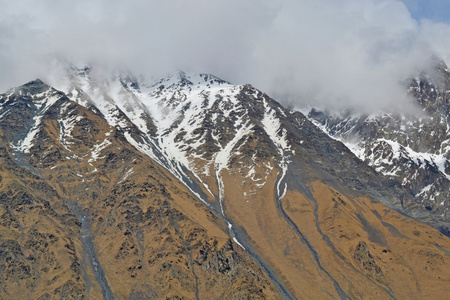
(36, 86)
(184, 79)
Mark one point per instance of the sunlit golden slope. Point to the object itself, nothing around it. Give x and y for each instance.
(330, 243)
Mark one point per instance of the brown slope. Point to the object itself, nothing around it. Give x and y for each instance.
(331, 238)
(370, 249)
(40, 246)
(152, 238)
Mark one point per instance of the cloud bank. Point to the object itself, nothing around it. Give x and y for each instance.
(348, 53)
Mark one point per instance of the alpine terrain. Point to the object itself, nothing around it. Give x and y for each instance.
(190, 187)
(412, 150)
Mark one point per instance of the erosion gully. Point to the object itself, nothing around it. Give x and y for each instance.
(86, 238)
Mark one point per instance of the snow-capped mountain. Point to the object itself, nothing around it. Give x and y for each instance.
(84, 214)
(190, 186)
(411, 149)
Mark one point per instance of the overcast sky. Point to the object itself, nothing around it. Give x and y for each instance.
(328, 52)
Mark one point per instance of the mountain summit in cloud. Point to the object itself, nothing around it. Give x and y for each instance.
(348, 54)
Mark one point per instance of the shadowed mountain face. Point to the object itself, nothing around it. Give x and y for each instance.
(191, 187)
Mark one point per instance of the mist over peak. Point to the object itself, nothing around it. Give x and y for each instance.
(347, 54)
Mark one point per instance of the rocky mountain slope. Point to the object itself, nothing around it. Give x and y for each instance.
(85, 214)
(412, 150)
(192, 187)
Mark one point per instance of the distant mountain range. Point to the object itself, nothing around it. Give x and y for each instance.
(190, 187)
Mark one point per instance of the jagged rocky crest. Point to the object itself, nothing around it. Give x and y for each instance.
(411, 150)
(192, 187)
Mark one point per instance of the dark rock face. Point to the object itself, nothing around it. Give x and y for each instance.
(366, 261)
(37, 245)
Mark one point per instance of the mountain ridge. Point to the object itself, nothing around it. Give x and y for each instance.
(218, 181)
(410, 149)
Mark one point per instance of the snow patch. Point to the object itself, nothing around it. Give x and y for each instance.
(127, 174)
(97, 149)
(43, 104)
(272, 126)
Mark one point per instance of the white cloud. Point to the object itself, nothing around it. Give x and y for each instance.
(348, 52)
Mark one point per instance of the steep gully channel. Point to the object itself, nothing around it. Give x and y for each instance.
(88, 245)
(300, 186)
(89, 252)
(279, 195)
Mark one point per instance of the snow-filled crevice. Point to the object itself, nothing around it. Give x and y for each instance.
(277, 134)
(222, 158)
(42, 102)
